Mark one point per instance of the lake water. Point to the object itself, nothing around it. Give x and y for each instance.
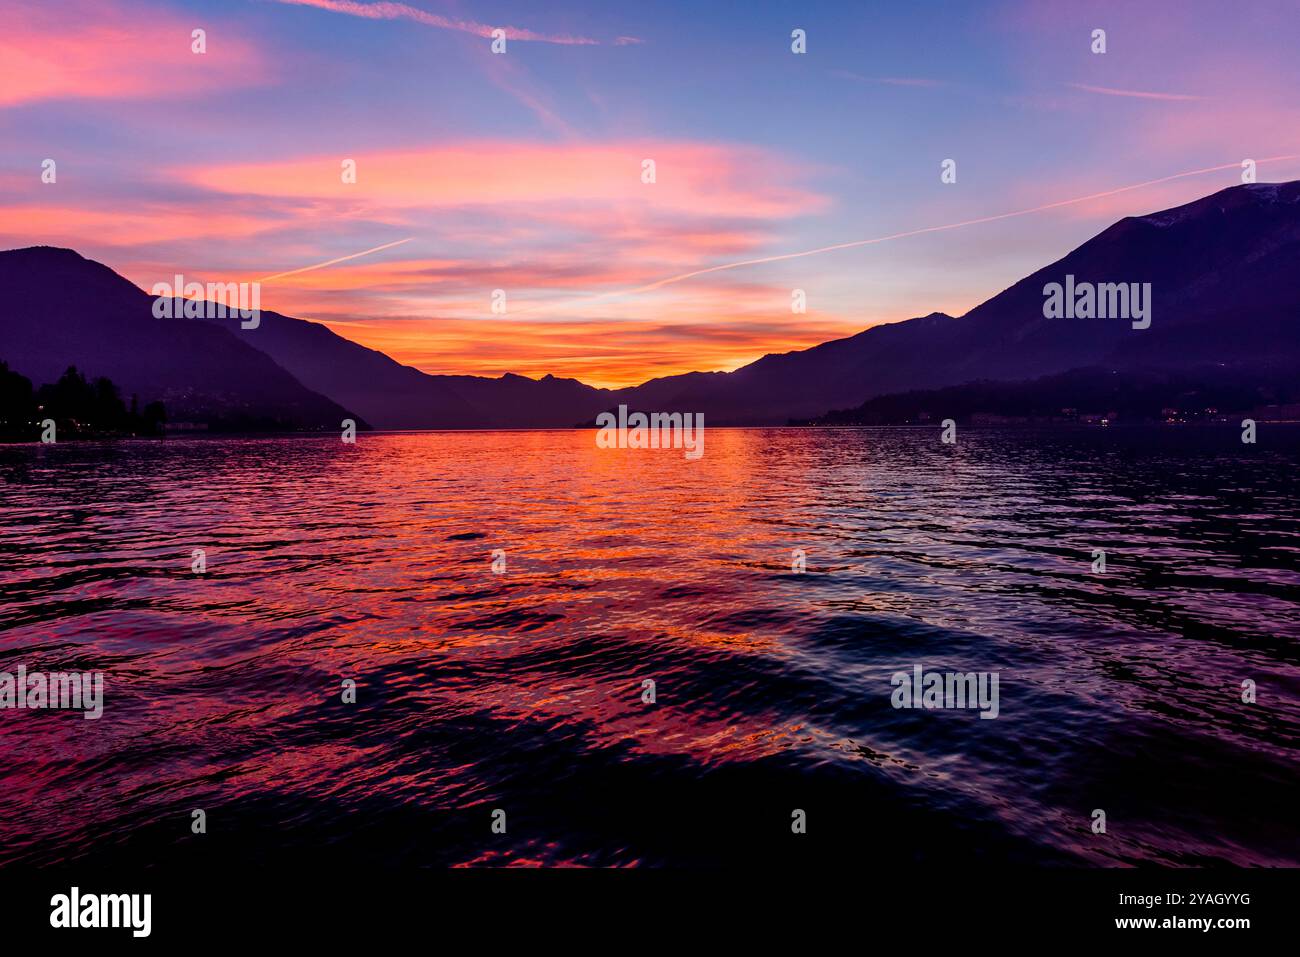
(523, 690)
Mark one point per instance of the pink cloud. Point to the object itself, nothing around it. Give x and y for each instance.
(74, 226)
(564, 221)
(1243, 128)
(101, 50)
(401, 11)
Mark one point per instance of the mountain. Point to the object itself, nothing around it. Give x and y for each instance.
(793, 385)
(60, 310)
(382, 391)
(1210, 393)
(390, 395)
(1223, 275)
(1222, 272)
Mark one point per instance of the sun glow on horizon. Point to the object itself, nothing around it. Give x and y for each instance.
(523, 172)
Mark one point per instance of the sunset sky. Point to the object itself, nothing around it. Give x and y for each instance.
(522, 171)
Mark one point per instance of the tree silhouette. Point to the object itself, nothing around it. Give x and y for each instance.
(79, 408)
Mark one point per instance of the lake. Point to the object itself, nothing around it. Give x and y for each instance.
(500, 600)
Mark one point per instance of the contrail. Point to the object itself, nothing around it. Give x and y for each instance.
(1140, 94)
(389, 10)
(341, 259)
(659, 284)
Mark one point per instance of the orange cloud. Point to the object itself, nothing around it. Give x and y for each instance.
(548, 223)
(436, 315)
(598, 352)
(101, 50)
(701, 180)
(408, 277)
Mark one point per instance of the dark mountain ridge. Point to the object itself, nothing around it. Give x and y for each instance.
(1210, 394)
(59, 310)
(1222, 272)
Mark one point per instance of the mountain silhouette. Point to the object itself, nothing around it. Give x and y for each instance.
(1223, 275)
(1223, 292)
(390, 395)
(61, 310)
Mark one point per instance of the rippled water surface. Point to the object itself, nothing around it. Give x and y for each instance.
(523, 690)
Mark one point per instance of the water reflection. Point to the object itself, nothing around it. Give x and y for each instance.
(523, 690)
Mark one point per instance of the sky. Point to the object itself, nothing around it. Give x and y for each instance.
(522, 171)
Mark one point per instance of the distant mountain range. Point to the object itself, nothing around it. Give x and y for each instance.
(1207, 394)
(58, 310)
(1223, 272)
